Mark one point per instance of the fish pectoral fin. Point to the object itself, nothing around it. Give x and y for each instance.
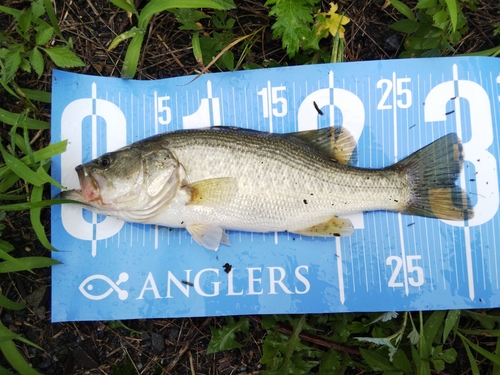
(335, 143)
(208, 236)
(333, 227)
(213, 191)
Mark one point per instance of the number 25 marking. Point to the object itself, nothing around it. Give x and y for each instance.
(405, 100)
(410, 266)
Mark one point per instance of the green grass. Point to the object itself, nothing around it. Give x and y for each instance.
(405, 343)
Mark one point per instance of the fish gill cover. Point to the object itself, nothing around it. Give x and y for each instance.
(115, 270)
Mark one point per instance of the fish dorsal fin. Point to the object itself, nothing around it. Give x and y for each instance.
(336, 143)
(333, 227)
(212, 191)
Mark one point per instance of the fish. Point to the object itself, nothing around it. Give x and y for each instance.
(223, 178)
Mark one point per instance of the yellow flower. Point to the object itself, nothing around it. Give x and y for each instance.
(333, 22)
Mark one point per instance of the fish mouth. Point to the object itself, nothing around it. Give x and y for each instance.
(89, 192)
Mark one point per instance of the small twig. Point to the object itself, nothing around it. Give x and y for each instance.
(224, 50)
(313, 339)
(35, 138)
(171, 52)
(191, 364)
(186, 345)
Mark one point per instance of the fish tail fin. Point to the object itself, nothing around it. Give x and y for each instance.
(432, 173)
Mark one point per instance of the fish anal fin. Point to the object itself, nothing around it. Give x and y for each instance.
(208, 236)
(336, 143)
(213, 191)
(333, 227)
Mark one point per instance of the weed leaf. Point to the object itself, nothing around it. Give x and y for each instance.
(405, 26)
(376, 361)
(12, 63)
(36, 61)
(13, 12)
(224, 338)
(403, 8)
(400, 361)
(486, 321)
(293, 20)
(43, 35)
(63, 57)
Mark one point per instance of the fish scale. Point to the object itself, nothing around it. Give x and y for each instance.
(292, 172)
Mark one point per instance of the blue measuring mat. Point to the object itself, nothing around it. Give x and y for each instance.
(115, 270)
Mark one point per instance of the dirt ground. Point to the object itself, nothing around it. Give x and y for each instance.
(165, 346)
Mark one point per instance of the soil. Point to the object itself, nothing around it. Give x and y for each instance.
(165, 346)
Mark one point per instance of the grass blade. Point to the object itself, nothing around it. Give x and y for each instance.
(127, 6)
(13, 12)
(492, 357)
(496, 368)
(38, 95)
(12, 355)
(20, 169)
(41, 155)
(132, 56)
(31, 205)
(453, 10)
(157, 6)
(29, 123)
(48, 178)
(52, 18)
(431, 327)
(17, 263)
(124, 36)
(11, 305)
(28, 263)
(451, 321)
(472, 360)
(36, 196)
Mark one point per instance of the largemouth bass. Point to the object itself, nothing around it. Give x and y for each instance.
(223, 178)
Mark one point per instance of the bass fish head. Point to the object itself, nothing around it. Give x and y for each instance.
(131, 183)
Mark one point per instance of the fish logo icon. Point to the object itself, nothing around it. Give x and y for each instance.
(86, 286)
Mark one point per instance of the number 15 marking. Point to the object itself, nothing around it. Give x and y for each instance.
(271, 98)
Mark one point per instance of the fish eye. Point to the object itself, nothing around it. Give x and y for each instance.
(104, 161)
